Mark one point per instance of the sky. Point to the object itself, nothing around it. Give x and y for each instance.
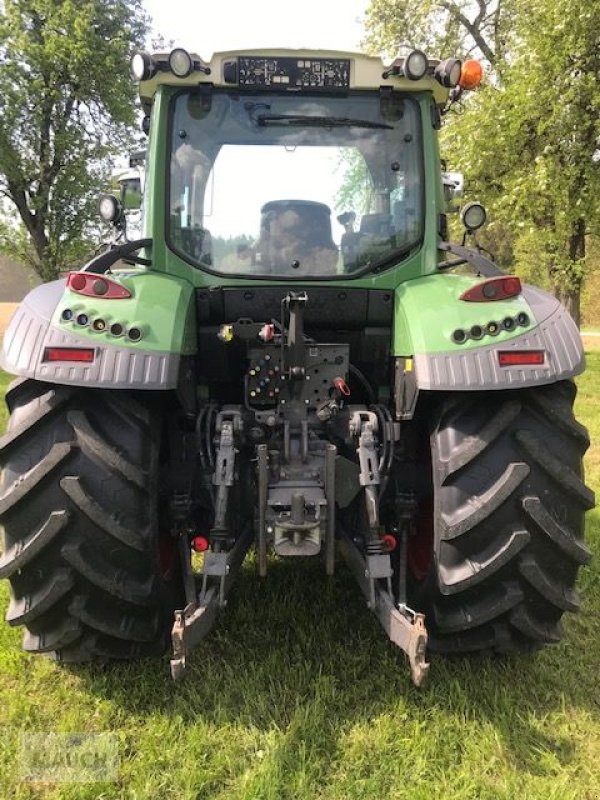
(214, 25)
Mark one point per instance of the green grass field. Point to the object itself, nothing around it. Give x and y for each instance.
(299, 695)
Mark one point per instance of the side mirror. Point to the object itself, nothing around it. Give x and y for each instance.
(131, 194)
(454, 184)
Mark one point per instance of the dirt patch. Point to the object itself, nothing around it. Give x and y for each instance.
(591, 343)
(6, 312)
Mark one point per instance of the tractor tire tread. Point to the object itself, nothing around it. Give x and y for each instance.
(78, 512)
(509, 513)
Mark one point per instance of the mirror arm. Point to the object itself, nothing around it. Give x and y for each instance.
(102, 263)
(465, 255)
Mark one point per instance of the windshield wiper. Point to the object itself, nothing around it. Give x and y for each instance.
(317, 122)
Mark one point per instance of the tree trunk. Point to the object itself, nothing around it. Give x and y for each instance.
(571, 300)
(570, 296)
(34, 223)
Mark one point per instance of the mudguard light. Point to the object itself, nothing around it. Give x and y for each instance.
(493, 289)
(92, 285)
(518, 358)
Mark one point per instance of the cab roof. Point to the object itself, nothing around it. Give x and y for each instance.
(298, 71)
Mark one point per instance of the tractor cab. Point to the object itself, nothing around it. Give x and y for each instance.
(292, 166)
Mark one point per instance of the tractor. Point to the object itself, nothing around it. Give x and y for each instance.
(295, 359)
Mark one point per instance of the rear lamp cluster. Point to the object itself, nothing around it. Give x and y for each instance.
(91, 285)
(492, 328)
(100, 325)
(493, 289)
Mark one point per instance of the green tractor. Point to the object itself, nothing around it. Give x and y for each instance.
(255, 373)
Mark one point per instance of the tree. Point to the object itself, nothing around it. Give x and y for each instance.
(441, 27)
(528, 145)
(66, 104)
(527, 139)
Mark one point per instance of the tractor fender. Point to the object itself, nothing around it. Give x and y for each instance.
(161, 306)
(429, 311)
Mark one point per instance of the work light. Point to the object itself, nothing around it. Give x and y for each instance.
(142, 66)
(180, 62)
(415, 65)
(448, 72)
(473, 216)
(109, 207)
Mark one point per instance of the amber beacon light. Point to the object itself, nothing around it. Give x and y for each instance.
(471, 74)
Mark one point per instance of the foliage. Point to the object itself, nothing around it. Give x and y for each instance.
(223, 247)
(356, 188)
(441, 27)
(527, 146)
(527, 139)
(66, 103)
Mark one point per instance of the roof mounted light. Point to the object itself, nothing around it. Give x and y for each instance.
(180, 62)
(473, 216)
(471, 74)
(448, 72)
(415, 65)
(142, 67)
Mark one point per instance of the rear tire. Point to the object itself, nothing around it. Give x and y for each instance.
(78, 507)
(509, 517)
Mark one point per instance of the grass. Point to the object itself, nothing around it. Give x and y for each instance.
(299, 695)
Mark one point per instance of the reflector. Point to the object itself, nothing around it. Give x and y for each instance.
(85, 354)
(515, 358)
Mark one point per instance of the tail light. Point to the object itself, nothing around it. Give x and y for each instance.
(200, 544)
(493, 289)
(517, 358)
(96, 286)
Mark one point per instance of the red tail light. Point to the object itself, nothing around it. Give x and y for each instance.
(96, 286)
(515, 358)
(200, 544)
(493, 289)
(85, 354)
